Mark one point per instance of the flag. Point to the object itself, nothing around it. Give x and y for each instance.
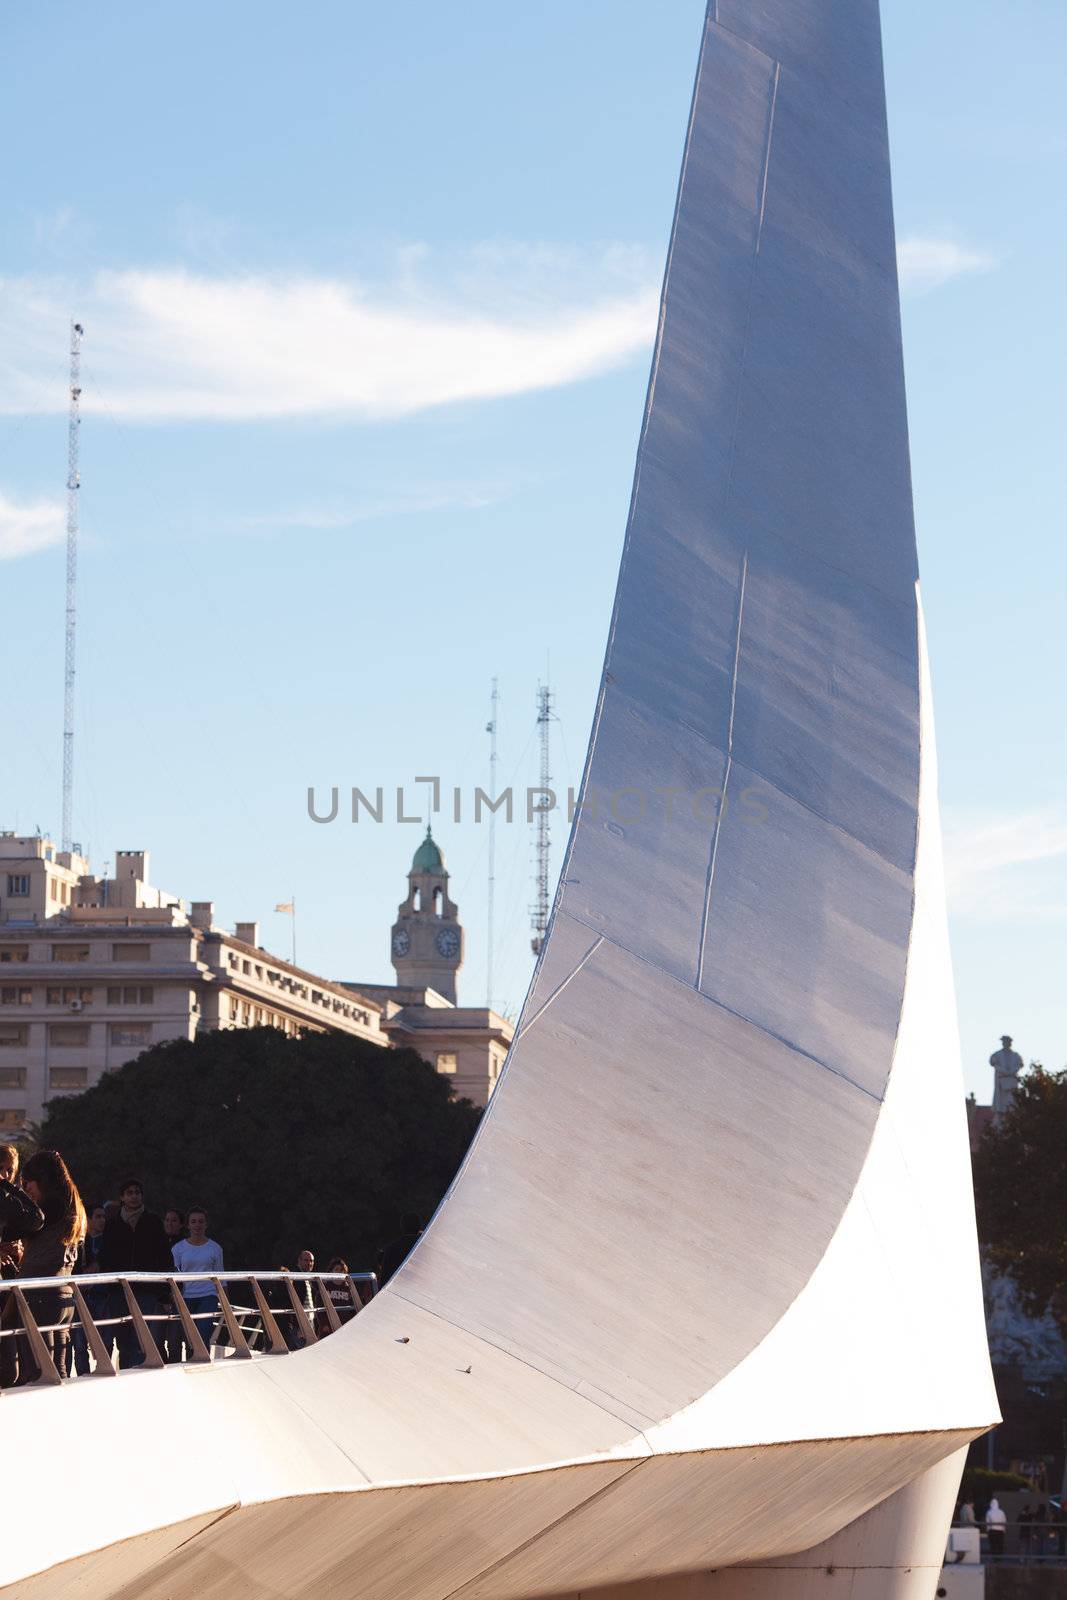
(288, 906)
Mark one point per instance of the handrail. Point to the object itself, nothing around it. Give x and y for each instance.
(233, 1322)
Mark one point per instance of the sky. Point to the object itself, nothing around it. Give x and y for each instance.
(369, 296)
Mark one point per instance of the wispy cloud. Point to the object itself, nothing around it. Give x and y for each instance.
(1000, 868)
(181, 345)
(927, 262)
(29, 525)
(411, 503)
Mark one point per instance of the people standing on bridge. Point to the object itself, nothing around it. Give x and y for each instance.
(995, 1524)
(1040, 1519)
(1026, 1519)
(340, 1298)
(96, 1298)
(51, 1253)
(19, 1218)
(134, 1241)
(198, 1253)
(173, 1341)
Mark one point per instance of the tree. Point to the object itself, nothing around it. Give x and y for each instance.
(319, 1141)
(1020, 1183)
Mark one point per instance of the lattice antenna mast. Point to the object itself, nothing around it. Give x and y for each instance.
(73, 485)
(491, 730)
(539, 910)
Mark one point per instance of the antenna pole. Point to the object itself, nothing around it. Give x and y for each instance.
(539, 912)
(490, 728)
(73, 485)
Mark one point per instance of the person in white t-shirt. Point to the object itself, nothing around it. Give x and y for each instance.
(198, 1253)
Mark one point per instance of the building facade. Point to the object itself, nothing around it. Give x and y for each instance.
(95, 970)
(421, 1010)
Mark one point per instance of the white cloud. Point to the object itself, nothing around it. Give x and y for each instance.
(927, 263)
(29, 525)
(182, 345)
(410, 503)
(1005, 868)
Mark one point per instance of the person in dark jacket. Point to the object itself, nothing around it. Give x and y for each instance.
(97, 1299)
(51, 1253)
(19, 1218)
(134, 1241)
(173, 1339)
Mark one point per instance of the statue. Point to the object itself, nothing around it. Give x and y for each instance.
(1007, 1064)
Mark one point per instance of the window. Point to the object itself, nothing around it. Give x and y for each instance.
(131, 994)
(70, 952)
(127, 1033)
(12, 1119)
(69, 995)
(446, 1062)
(259, 972)
(231, 958)
(12, 1035)
(131, 952)
(12, 1077)
(233, 1009)
(68, 1077)
(438, 903)
(53, 888)
(18, 885)
(14, 952)
(65, 1035)
(12, 996)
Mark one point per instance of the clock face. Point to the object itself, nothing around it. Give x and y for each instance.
(401, 942)
(447, 942)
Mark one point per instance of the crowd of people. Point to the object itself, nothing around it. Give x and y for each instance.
(46, 1232)
(1041, 1529)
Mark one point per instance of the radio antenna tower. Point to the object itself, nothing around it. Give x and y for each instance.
(490, 728)
(539, 909)
(73, 485)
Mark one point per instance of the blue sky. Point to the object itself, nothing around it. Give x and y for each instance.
(368, 300)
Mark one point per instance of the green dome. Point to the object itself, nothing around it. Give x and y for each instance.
(427, 857)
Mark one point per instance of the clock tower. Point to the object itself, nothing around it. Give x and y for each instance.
(427, 940)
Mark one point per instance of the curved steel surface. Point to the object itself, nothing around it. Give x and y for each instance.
(705, 1290)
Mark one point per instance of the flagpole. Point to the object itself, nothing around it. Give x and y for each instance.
(293, 904)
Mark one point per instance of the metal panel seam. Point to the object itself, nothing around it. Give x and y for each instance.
(558, 990)
(571, 1388)
(730, 1012)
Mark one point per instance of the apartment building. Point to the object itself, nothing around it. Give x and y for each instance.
(94, 970)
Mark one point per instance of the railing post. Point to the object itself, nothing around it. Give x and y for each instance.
(332, 1319)
(278, 1346)
(105, 1367)
(301, 1312)
(47, 1371)
(152, 1356)
(190, 1332)
(233, 1327)
(353, 1294)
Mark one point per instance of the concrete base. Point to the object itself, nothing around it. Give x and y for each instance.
(895, 1552)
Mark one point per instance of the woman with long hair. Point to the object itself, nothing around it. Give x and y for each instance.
(51, 1253)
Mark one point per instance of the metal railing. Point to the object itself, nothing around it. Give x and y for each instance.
(150, 1320)
(1023, 1544)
